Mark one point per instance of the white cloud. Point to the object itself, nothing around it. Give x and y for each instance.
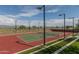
(9, 20)
(4, 20)
(60, 22)
(32, 22)
(50, 22)
(29, 13)
(53, 11)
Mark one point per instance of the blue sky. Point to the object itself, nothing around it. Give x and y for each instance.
(24, 13)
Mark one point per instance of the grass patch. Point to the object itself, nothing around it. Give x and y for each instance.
(39, 47)
(53, 42)
(72, 49)
(31, 50)
(53, 48)
(50, 49)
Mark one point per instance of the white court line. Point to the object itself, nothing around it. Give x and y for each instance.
(50, 45)
(37, 46)
(67, 45)
(47, 47)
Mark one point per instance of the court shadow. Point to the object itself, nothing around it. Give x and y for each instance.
(23, 43)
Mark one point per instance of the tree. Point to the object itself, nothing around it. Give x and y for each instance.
(77, 25)
(68, 27)
(22, 27)
(34, 27)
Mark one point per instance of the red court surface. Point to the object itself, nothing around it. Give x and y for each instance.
(12, 44)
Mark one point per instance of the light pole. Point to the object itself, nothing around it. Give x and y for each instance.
(73, 25)
(44, 24)
(15, 26)
(29, 22)
(78, 26)
(64, 23)
(38, 26)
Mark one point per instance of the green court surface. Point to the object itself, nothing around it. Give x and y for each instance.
(36, 36)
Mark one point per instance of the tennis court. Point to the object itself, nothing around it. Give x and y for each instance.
(36, 36)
